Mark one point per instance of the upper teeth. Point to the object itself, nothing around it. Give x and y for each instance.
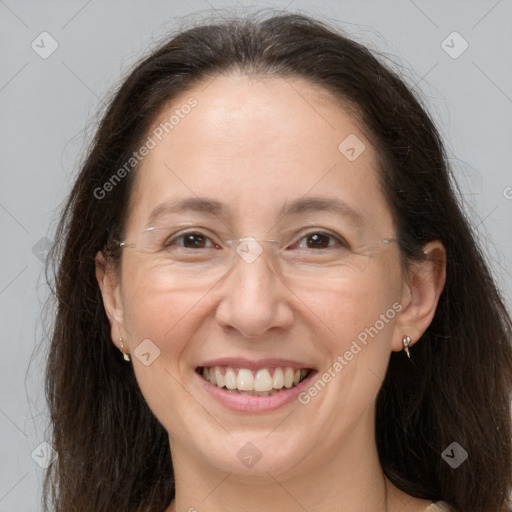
(262, 380)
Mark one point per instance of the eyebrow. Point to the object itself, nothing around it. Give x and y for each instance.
(297, 207)
(189, 204)
(315, 204)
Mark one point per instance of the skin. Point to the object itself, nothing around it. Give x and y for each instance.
(255, 143)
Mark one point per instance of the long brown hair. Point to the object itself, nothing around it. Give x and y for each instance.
(113, 453)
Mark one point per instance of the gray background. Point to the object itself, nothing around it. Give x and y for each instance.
(47, 112)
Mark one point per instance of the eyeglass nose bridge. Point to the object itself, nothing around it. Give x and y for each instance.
(249, 248)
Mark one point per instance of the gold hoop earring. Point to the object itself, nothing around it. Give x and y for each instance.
(126, 356)
(406, 341)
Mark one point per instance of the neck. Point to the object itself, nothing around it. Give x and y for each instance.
(347, 478)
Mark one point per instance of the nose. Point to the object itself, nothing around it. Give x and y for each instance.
(254, 298)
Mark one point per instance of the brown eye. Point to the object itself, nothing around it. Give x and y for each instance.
(189, 240)
(317, 241)
(321, 240)
(194, 240)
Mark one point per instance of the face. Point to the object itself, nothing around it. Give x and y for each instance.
(256, 146)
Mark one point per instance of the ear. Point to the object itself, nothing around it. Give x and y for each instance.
(110, 290)
(420, 294)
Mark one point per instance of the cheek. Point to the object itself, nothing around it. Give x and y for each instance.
(356, 325)
(161, 323)
(355, 306)
(152, 308)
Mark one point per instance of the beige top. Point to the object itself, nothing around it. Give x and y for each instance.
(438, 506)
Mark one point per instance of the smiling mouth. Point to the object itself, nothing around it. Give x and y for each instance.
(262, 382)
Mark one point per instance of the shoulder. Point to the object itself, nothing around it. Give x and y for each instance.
(439, 506)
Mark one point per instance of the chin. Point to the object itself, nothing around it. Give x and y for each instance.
(255, 453)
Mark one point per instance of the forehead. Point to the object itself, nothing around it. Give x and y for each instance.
(255, 144)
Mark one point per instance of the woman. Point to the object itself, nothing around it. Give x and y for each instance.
(268, 295)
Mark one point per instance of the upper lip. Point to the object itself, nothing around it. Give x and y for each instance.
(255, 364)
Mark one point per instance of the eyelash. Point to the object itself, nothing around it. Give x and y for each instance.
(181, 236)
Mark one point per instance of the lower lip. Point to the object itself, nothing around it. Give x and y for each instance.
(254, 404)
